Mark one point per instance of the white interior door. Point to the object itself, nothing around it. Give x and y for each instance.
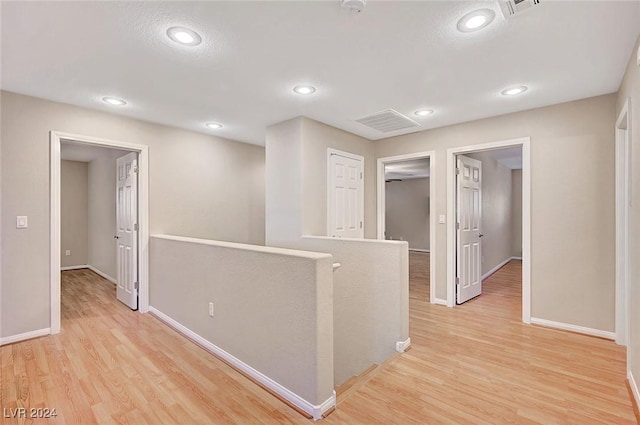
(127, 229)
(469, 214)
(345, 211)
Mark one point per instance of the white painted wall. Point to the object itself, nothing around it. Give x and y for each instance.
(272, 307)
(516, 213)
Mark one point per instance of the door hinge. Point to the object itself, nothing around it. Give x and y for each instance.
(361, 175)
(361, 225)
(457, 171)
(135, 169)
(457, 225)
(135, 227)
(457, 282)
(136, 285)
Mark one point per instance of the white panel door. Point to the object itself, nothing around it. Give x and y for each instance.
(469, 213)
(345, 212)
(127, 229)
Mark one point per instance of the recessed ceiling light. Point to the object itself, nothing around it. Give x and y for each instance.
(304, 89)
(476, 20)
(213, 125)
(424, 112)
(114, 101)
(512, 91)
(184, 36)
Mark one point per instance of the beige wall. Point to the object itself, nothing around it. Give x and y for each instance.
(631, 88)
(316, 139)
(102, 214)
(407, 212)
(572, 200)
(495, 224)
(516, 213)
(200, 186)
(74, 213)
(272, 307)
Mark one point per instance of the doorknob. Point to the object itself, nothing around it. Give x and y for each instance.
(116, 237)
(480, 235)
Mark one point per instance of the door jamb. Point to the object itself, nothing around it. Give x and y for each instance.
(623, 203)
(381, 199)
(330, 221)
(526, 217)
(56, 138)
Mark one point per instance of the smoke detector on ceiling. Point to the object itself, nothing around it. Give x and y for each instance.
(515, 7)
(353, 5)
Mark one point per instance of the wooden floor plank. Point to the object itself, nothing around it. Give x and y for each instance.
(473, 364)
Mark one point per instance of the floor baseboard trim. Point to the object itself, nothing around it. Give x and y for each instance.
(103, 274)
(24, 336)
(573, 328)
(420, 250)
(315, 411)
(517, 258)
(440, 301)
(496, 268)
(67, 268)
(635, 394)
(402, 346)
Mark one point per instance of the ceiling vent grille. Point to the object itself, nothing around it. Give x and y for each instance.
(514, 7)
(387, 121)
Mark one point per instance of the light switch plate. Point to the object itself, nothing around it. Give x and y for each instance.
(21, 222)
(442, 219)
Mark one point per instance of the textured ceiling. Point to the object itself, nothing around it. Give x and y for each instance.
(399, 55)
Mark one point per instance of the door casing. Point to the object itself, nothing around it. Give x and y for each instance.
(452, 153)
(55, 139)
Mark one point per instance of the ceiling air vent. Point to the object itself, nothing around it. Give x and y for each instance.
(514, 7)
(387, 121)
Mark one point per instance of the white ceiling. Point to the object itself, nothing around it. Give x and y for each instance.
(85, 153)
(399, 55)
(509, 157)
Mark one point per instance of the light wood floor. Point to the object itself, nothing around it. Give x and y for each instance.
(473, 364)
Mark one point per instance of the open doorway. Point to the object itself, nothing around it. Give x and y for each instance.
(502, 165)
(406, 185)
(67, 148)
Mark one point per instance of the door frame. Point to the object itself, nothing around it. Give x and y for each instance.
(331, 152)
(623, 211)
(381, 201)
(56, 138)
(526, 216)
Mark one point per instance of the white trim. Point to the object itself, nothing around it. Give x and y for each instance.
(381, 204)
(102, 274)
(526, 217)
(67, 268)
(56, 138)
(634, 387)
(24, 336)
(516, 258)
(420, 250)
(440, 301)
(316, 411)
(622, 209)
(330, 176)
(495, 269)
(402, 346)
(573, 328)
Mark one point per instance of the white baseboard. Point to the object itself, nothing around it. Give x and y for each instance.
(25, 336)
(106, 276)
(419, 250)
(67, 268)
(316, 411)
(495, 269)
(439, 301)
(634, 387)
(517, 258)
(402, 346)
(573, 328)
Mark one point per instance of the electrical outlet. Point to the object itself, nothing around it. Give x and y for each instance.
(211, 309)
(67, 252)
